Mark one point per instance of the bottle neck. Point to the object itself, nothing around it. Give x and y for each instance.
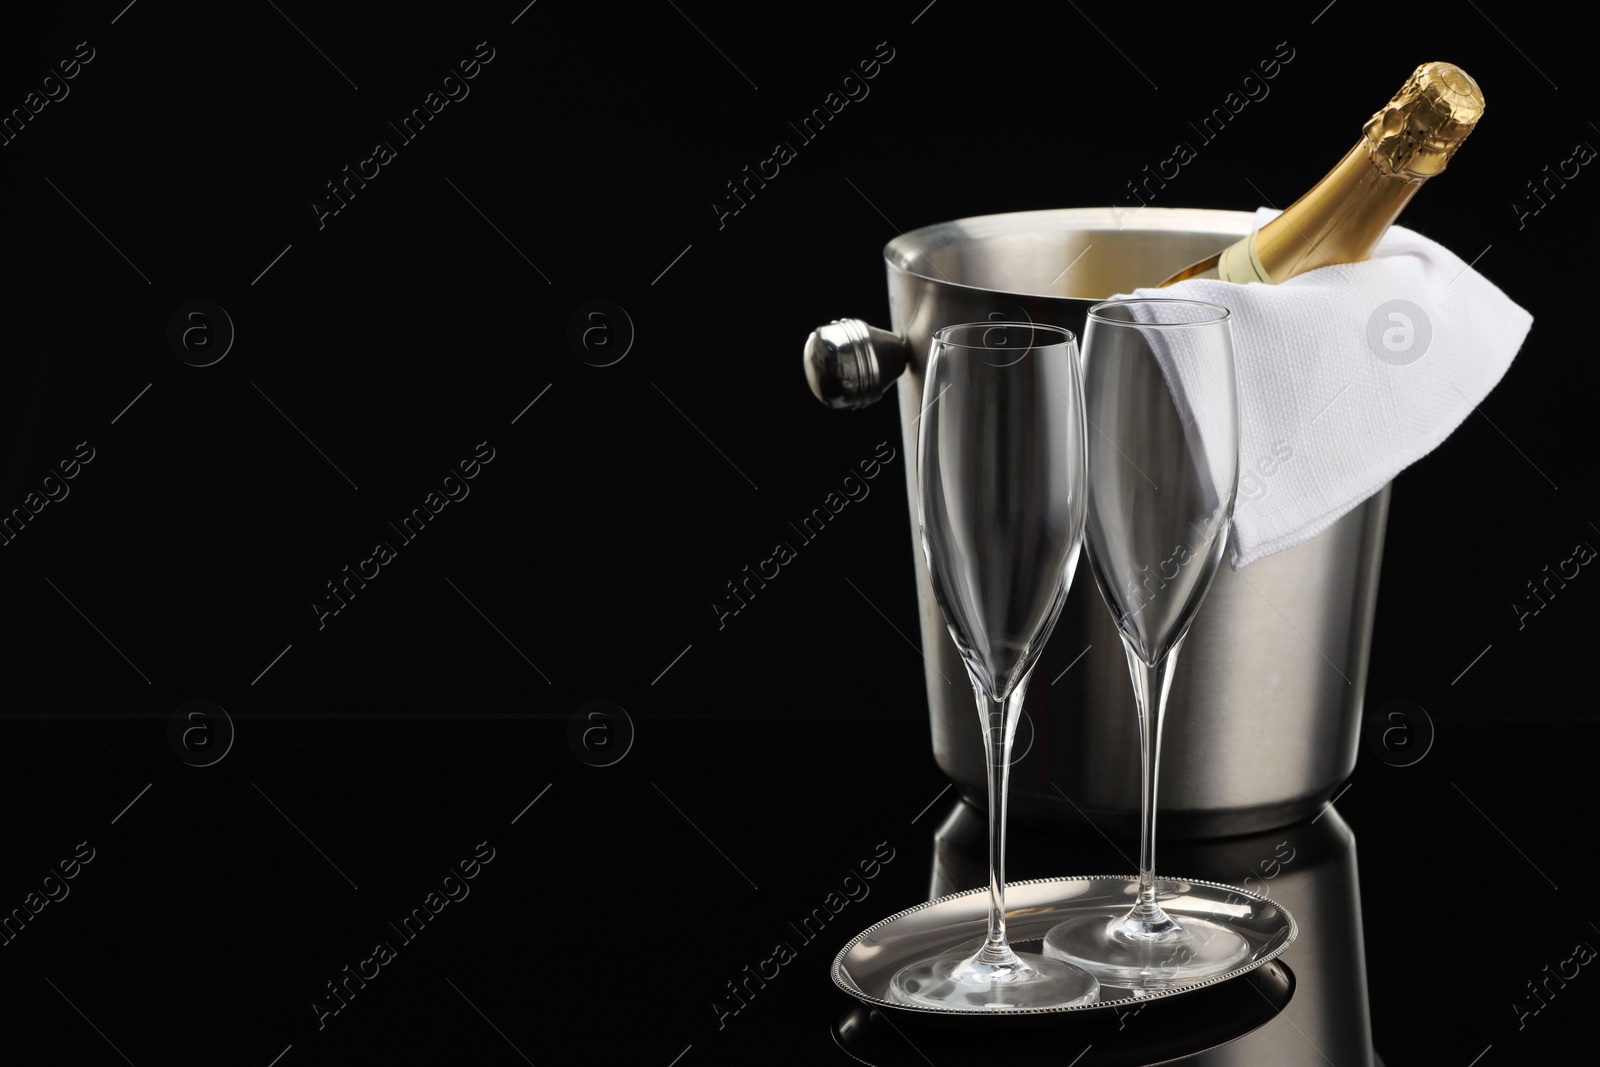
(1339, 220)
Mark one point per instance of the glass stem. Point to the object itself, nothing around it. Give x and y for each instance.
(1150, 686)
(999, 728)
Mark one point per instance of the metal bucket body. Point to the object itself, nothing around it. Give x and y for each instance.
(1265, 705)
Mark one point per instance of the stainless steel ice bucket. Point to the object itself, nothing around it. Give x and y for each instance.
(1265, 706)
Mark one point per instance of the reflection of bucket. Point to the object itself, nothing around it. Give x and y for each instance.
(1265, 706)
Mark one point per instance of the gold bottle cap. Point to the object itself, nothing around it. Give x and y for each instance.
(1415, 134)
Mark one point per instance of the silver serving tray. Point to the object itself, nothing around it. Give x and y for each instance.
(865, 966)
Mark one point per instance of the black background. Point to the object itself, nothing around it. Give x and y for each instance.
(425, 317)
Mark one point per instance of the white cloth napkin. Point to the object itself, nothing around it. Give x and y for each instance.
(1347, 375)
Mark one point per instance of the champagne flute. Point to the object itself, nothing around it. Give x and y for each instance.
(1000, 467)
(1162, 403)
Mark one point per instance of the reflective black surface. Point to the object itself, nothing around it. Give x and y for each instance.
(751, 875)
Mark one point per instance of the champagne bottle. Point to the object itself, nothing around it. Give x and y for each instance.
(1342, 217)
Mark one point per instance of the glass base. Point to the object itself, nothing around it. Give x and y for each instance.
(962, 981)
(1121, 951)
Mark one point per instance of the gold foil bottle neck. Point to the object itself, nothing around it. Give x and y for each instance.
(1416, 133)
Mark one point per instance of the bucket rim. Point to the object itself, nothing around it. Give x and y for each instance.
(908, 253)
